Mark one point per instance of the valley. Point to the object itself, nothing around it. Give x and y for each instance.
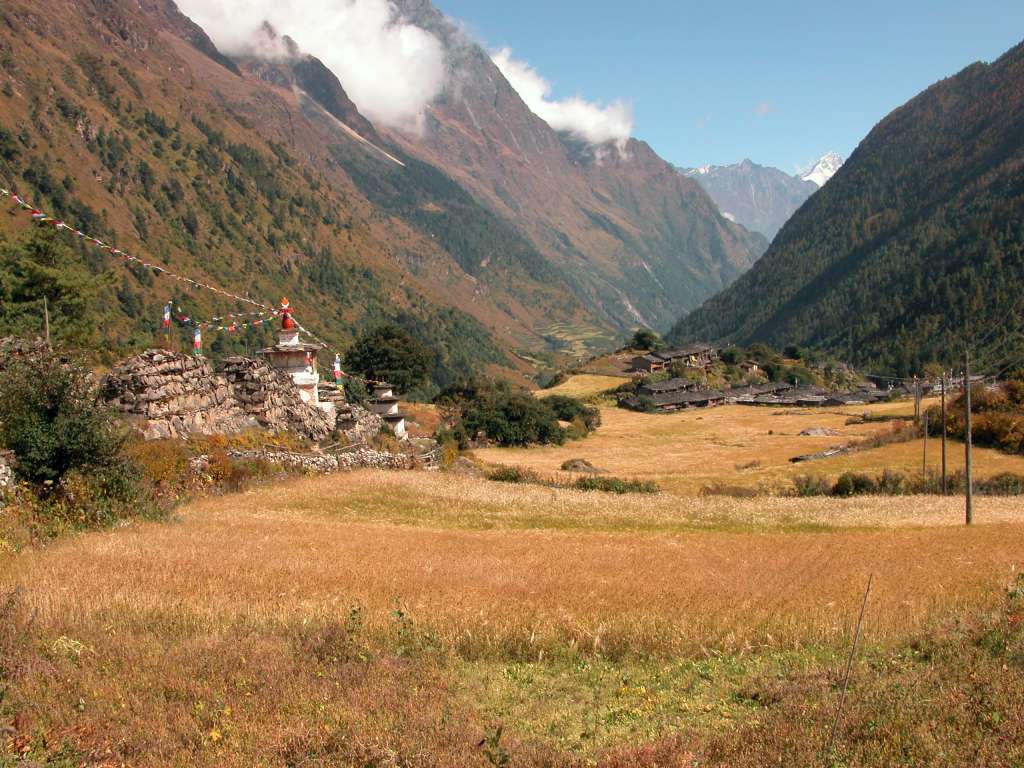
(370, 399)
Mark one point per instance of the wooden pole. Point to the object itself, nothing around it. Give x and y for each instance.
(849, 669)
(924, 460)
(945, 489)
(968, 441)
(46, 320)
(916, 400)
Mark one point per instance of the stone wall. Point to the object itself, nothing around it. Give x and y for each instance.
(269, 396)
(175, 395)
(361, 458)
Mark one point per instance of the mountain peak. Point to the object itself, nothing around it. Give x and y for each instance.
(824, 169)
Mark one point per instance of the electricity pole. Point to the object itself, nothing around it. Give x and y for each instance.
(968, 441)
(924, 461)
(945, 490)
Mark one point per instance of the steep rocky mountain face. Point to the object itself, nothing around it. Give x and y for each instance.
(638, 241)
(915, 247)
(760, 198)
(123, 118)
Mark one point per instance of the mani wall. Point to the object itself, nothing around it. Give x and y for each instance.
(171, 395)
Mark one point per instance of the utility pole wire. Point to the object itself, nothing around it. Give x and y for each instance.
(849, 668)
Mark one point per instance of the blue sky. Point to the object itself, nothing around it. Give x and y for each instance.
(714, 82)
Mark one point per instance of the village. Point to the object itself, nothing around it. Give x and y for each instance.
(673, 379)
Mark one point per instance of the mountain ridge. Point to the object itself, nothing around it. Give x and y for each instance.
(917, 240)
(761, 198)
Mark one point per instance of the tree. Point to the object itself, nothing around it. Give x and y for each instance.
(389, 353)
(645, 338)
(37, 266)
(50, 416)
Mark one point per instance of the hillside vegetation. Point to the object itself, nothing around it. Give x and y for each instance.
(124, 121)
(916, 245)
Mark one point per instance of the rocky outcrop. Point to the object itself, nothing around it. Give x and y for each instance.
(175, 395)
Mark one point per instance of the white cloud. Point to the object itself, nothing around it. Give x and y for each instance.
(390, 68)
(586, 120)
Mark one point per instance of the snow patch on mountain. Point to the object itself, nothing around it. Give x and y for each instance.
(824, 169)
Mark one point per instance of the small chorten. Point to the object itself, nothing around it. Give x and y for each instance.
(296, 358)
(385, 404)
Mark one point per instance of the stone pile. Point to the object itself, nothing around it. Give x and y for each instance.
(174, 395)
(6, 473)
(361, 458)
(359, 425)
(269, 396)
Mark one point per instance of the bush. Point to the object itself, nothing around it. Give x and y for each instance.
(51, 417)
(615, 485)
(570, 409)
(503, 474)
(808, 485)
(502, 414)
(506, 474)
(853, 484)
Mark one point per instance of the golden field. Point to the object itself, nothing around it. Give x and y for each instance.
(739, 446)
(227, 635)
(402, 619)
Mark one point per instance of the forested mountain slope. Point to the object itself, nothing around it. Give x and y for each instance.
(123, 119)
(916, 244)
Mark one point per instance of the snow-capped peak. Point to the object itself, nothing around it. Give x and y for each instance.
(824, 169)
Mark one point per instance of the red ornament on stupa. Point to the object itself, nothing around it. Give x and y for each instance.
(287, 323)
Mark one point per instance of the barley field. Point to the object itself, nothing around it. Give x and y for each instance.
(371, 617)
(441, 619)
(740, 446)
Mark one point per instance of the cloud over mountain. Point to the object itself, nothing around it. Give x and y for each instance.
(391, 68)
(586, 120)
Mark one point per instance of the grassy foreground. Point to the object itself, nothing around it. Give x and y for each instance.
(420, 619)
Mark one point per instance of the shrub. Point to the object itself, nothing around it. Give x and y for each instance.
(557, 378)
(502, 414)
(809, 485)
(505, 474)
(570, 409)
(615, 485)
(854, 484)
(50, 416)
(1005, 484)
(732, 491)
(892, 483)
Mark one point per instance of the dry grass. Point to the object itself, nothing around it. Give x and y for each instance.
(687, 451)
(316, 547)
(584, 386)
(228, 637)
